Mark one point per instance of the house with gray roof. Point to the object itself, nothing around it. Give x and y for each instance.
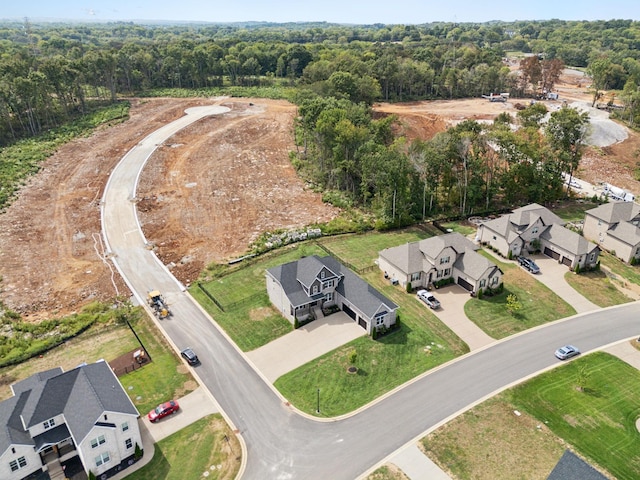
(301, 289)
(55, 416)
(534, 227)
(438, 258)
(614, 226)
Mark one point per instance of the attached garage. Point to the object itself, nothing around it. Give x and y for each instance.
(550, 253)
(566, 261)
(464, 284)
(362, 322)
(349, 312)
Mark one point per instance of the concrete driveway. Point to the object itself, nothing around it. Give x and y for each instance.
(552, 275)
(304, 344)
(451, 313)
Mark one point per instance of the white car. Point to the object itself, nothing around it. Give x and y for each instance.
(429, 299)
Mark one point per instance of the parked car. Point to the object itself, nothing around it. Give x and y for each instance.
(566, 352)
(429, 299)
(189, 355)
(529, 265)
(162, 410)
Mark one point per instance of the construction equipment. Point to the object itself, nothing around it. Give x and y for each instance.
(158, 304)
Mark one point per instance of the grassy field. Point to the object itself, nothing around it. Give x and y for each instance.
(597, 287)
(598, 422)
(490, 442)
(539, 304)
(593, 404)
(206, 448)
(572, 210)
(623, 272)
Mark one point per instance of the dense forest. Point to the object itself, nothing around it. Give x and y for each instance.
(51, 74)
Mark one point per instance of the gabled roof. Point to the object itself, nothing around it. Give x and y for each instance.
(615, 212)
(82, 395)
(431, 247)
(625, 232)
(475, 265)
(362, 295)
(529, 213)
(569, 240)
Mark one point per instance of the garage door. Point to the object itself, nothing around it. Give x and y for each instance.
(464, 284)
(362, 322)
(566, 261)
(550, 253)
(349, 312)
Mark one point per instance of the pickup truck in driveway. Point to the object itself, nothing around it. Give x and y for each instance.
(429, 299)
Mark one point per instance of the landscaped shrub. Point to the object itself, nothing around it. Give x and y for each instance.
(480, 293)
(408, 287)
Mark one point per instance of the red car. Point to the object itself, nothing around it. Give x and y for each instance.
(163, 410)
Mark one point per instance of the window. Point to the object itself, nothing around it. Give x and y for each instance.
(439, 274)
(49, 424)
(494, 237)
(18, 464)
(534, 230)
(322, 274)
(125, 426)
(329, 297)
(128, 443)
(314, 290)
(379, 321)
(98, 441)
(494, 280)
(444, 260)
(415, 276)
(483, 282)
(102, 458)
(447, 272)
(327, 284)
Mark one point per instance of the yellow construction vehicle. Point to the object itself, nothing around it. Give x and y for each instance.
(158, 304)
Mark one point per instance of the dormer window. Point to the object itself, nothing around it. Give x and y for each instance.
(444, 260)
(322, 274)
(49, 423)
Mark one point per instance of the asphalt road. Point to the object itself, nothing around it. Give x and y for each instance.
(280, 443)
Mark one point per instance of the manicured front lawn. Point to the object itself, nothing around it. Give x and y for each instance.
(206, 448)
(599, 420)
(163, 378)
(623, 271)
(539, 305)
(597, 287)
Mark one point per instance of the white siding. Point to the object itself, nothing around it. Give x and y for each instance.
(28, 452)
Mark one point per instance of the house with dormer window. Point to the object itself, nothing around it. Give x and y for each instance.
(301, 289)
(55, 416)
(450, 256)
(534, 227)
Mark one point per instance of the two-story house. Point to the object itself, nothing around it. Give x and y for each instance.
(438, 258)
(614, 225)
(55, 416)
(534, 227)
(301, 288)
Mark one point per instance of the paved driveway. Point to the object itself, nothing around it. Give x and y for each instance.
(304, 344)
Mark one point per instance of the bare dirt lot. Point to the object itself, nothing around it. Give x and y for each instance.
(204, 196)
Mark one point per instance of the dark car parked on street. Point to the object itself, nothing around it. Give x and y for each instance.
(189, 355)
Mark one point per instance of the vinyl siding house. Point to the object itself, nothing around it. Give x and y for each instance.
(614, 226)
(518, 232)
(55, 416)
(427, 261)
(300, 289)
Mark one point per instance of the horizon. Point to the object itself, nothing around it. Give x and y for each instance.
(355, 12)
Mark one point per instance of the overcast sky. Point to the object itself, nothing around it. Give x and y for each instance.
(334, 11)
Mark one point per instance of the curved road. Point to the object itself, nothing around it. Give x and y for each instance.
(280, 443)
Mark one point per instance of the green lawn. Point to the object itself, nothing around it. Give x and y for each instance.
(383, 364)
(461, 228)
(165, 377)
(189, 453)
(539, 305)
(573, 210)
(597, 287)
(599, 420)
(623, 271)
(362, 250)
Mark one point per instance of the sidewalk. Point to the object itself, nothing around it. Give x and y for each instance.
(417, 466)
(194, 406)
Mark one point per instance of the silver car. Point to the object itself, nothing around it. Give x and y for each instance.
(566, 352)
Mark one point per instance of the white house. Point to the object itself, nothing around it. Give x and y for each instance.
(439, 258)
(55, 416)
(614, 225)
(300, 289)
(518, 232)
